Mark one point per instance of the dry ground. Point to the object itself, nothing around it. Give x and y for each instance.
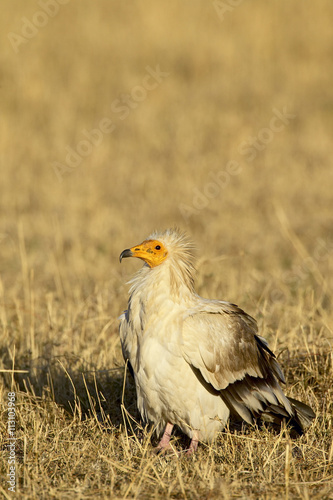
(262, 225)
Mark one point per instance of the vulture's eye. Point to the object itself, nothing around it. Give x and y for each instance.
(158, 247)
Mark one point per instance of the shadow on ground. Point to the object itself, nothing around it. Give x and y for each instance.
(76, 386)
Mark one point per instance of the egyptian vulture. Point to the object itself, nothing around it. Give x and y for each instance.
(196, 361)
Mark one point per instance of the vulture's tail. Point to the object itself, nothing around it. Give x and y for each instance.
(256, 399)
(303, 415)
(300, 419)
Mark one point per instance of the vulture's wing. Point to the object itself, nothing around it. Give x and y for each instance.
(225, 352)
(128, 341)
(225, 347)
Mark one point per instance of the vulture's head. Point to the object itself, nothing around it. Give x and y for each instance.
(152, 251)
(170, 248)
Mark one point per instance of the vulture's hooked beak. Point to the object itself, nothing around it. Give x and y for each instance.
(152, 252)
(125, 253)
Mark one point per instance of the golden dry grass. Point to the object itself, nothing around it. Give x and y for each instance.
(264, 234)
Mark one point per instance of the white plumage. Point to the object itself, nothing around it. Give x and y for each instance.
(196, 360)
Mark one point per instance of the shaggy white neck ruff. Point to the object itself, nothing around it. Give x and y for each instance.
(166, 279)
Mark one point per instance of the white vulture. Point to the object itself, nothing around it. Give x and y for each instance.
(196, 361)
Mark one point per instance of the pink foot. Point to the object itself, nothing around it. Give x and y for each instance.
(164, 444)
(194, 444)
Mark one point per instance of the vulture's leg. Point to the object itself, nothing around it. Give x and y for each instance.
(194, 443)
(164, 444)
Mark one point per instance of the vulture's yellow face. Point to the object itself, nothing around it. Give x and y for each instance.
(153, 252)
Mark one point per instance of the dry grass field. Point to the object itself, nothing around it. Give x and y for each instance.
(118, 118)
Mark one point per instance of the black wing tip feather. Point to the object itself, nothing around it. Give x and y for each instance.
(304, 415)
(264, 345)
(268, 360)
(130, 368)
